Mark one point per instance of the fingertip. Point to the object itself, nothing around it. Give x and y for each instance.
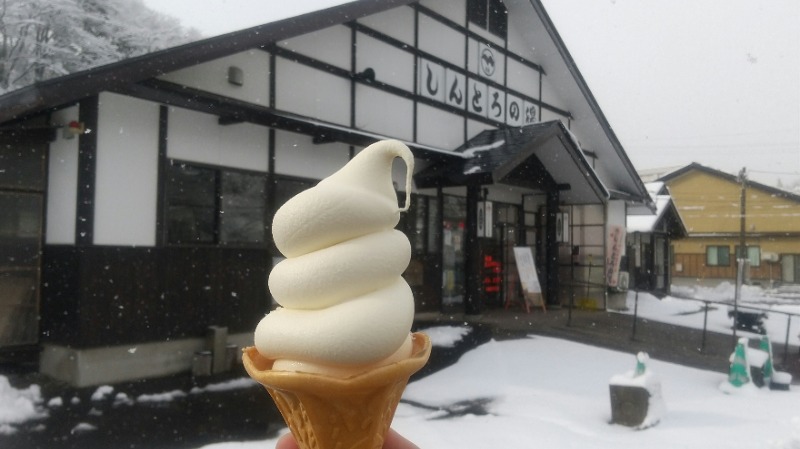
(396, 441)
(287, 441)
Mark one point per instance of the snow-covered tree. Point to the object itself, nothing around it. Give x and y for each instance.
(42, 39)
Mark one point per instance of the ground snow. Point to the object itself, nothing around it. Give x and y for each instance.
(545, 392)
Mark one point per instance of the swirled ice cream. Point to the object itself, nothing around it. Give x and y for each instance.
(345, 307)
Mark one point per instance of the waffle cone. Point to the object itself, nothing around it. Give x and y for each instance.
(325, 412)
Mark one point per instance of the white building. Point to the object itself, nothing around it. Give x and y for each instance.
(152, 223)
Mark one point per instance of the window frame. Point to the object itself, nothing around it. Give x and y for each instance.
(717, 263)
(753, 254)
(218, 204)
(490, 15)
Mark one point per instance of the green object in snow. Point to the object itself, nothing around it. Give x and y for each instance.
(641, 363)
(740, 369)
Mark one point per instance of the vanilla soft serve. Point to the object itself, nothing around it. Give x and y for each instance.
(345, 307)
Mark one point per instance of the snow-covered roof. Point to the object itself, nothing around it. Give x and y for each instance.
(647, 223)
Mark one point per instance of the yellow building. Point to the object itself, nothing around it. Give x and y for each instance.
(710, 204)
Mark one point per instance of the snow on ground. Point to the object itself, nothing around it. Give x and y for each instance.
(544, 392)
(686, 312)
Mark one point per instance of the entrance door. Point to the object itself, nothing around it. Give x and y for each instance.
(21, 200)
(454, 214)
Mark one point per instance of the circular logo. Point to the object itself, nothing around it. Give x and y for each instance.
(487, 63)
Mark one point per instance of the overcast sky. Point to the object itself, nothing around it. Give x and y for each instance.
(709, 81)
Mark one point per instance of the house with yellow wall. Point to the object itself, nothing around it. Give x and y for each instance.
(710, 205)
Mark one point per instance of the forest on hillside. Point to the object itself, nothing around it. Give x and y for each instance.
(43, 39)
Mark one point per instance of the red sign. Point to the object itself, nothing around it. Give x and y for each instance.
(492, 274)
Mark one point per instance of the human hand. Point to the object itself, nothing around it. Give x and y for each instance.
(393, 441)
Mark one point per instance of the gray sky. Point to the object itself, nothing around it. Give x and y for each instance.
(709, 81)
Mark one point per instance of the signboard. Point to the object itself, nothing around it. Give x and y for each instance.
(526, 268)
(471, 91)
(614, 248)
(485, 219)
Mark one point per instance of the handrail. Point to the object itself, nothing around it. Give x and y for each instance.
(707, 302)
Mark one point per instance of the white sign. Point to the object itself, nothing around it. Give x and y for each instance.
(476, 97)
(527, 269)
(496, 104)
(456, 94)
(529, 113)
(514, 110)
(431, 80)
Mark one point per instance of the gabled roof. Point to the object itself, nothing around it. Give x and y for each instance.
(639, 220)
(694, 166)
(542, 156)
(140, 73)
(66, 89)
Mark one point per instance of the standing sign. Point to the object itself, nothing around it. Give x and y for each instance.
(526, 267)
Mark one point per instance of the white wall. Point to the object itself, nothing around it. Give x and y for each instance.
(396, 22)
(62, 182)
(313, 93)
(212, 77)
(439, 128)
(391, 65)
(523, 79)
(455, 10)
(331, 45)
(441, 40)
(384, 113)
(297, 155)
(127, 171)
(198, 137)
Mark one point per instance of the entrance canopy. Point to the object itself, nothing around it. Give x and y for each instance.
(544, 156)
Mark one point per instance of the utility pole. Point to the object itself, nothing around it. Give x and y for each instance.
(741, 255)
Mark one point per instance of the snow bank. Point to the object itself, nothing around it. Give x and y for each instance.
(18, 406)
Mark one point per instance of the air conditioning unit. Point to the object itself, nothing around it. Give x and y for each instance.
(770, 257)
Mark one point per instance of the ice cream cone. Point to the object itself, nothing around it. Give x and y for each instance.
(325, 412)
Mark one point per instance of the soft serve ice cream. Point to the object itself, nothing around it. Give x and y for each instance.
(345, 307)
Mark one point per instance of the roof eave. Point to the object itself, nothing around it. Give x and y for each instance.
(69, 88)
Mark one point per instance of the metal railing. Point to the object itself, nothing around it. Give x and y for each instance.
(706, 307)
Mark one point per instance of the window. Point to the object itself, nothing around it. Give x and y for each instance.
(490, 15)
(753, 255)
(213, 206)
(718, 256)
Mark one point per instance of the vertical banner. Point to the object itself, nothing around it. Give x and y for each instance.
(614, 247)
(481, 219)
(485, 219)
(562, 227)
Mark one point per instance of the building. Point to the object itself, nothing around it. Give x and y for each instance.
(139, 197)
(649, 242)
(718, 216)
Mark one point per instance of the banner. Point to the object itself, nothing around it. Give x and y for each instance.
(614, 247)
